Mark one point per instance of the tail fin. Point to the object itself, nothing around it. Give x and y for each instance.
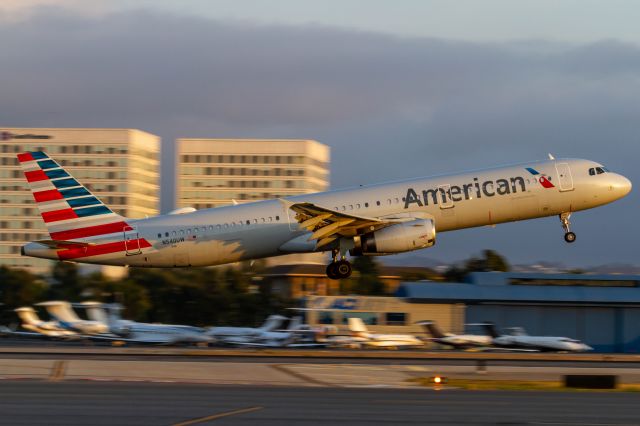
(69, 210)
(96, 312)
(432, 329)
(273, 322)
(491, 329)
(27, 315)
(61, 311)
(356, 326)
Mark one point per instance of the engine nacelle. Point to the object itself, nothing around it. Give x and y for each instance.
(406, 236)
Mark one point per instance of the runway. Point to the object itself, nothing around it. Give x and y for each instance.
(73, 403)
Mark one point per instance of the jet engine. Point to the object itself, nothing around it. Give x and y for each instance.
(406, 236)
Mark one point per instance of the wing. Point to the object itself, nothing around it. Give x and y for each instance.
(328, 225)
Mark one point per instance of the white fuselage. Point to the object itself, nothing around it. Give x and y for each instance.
(542, 343)
(269, 228)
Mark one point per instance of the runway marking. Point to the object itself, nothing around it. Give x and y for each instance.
(283, 369)
(57, 371)
(218, 416)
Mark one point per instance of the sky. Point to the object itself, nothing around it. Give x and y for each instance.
(396, 89)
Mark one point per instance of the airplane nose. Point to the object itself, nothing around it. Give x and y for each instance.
(623, 185)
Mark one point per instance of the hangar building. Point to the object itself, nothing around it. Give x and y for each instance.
(601, 310)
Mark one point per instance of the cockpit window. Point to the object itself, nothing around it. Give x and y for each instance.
(598, 170)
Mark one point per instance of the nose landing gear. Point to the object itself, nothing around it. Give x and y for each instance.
(568, 235)
(339, 269)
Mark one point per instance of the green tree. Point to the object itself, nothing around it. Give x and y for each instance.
(18, 288)
(367, 281)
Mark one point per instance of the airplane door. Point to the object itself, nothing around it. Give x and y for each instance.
(131, 241)
(565, 180)
(444, 193)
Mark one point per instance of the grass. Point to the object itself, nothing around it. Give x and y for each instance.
(522, 385)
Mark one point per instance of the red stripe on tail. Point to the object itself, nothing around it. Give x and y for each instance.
(89, 231)
(97, 250)
(48, 195)
(57, 215)
(35, 175)
(24, 157)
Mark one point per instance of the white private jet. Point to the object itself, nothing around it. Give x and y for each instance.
(31, 321)
(234, 335)
(297, 335)
(377, 219)
(65, 317)
(139, 332)
(361, 338)
(519, 339)
(457, 341)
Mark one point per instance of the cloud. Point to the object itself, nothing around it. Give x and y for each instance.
(390, 107)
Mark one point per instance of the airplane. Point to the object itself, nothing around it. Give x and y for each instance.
(296, 335)
(457, 341)
(361, 337)
(233, 335)
(139, 332)
(65, 317)
(520, 339)
(379, 219)
(31, 321)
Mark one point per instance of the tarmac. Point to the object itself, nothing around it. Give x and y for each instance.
(107, 403)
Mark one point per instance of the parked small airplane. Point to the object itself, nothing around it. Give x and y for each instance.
(378, 219)
(458, 341)
(361, 337)
(297, 335)
(232, 335)
(63, 314)
(520, 339)
(139, 332)
(31, 321)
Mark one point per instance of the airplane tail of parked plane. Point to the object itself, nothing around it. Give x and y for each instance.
(96, 312)
(27, 315)
(357, 327)
(491, 329)
(433, 329)
(61, 311)
(79, 224)
(273, 322)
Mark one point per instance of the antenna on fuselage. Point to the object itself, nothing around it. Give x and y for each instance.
(551, 157)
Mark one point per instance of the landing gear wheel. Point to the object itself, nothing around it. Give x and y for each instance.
(344, 269)
(568, 235)
(332, 271)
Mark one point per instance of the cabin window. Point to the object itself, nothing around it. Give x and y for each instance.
(366, 204)
(173, 233)
(166, 234)
(377, 203)
(277, 217)
(195, 230)
(211, 227)
(389, 201)
(397, 201)
(182, 232)
(255, 220)
(350, 206)
(218, 227)
(263, 221)
(358, 206)
(160, 235)
(226, 225)
(344, 208)
(270, 219)
(188, 231)
(248, 222)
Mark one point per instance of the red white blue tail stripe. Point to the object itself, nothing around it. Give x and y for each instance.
(71, 212)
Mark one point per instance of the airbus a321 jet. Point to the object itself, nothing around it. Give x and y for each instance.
(380, 219)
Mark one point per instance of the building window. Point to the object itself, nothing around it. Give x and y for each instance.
(395, 318)
(369, 318)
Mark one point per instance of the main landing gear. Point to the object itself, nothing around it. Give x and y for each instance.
(338, 269)
(568, 235)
